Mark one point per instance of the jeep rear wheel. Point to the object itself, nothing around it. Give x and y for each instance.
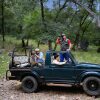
(29, 84)
(91, 86)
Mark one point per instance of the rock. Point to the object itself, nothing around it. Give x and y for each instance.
(76, 98)
(1, 84)
(63, 98)
(1, 90)
(12, 97)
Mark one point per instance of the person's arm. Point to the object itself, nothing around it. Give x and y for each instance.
(70, 45)
(40, 56)
(37, 56)
(61, 63)
(58, 63)
(58, 41)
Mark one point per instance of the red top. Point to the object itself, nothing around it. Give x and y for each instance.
(58, 41)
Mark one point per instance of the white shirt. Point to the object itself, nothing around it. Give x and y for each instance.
(58, 63)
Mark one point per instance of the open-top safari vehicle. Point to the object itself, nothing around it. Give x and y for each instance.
(33, 75)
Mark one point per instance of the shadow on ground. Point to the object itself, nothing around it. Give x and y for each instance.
(62, 89)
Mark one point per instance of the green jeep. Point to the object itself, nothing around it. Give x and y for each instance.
(32, 76)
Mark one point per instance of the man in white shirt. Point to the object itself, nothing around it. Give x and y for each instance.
(56, 60)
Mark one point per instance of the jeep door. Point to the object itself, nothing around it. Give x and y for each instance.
(63, 73)
(45, 72)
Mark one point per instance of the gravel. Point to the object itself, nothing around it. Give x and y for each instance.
(11, 90)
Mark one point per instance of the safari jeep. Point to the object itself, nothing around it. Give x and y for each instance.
(32, 76)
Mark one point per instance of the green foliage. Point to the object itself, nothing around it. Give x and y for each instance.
(89, 57)
(32, 23)
(23, 19)
(4, 61)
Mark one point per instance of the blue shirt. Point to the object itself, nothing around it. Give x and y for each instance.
(41, 58)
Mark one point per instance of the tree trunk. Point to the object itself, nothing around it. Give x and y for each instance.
(27, 42)
(2, 22)
(86, 27)
(59, 3)
(98, 50)
(23, 42)
(50, 44)
(38, 44)
(42, 11)
(77, 39)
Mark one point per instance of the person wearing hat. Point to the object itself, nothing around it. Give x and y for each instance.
(65, 45)
(39, 57)
(60, 39)
(57, 60)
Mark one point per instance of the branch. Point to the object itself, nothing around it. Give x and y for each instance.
(63, 6)
(84, 30)
(42, 10)
(83, 20)
(86, 8)
(72, 18)
(93, 14)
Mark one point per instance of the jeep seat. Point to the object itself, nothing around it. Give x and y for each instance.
(21, 61)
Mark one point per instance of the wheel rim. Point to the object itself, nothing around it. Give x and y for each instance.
(93, 85)
(29, 84)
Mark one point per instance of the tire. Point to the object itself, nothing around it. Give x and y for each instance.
(29, 84)
(91, 86)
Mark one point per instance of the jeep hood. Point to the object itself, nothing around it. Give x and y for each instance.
(89, 65)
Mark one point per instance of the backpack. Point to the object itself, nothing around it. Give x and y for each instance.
(64, 45)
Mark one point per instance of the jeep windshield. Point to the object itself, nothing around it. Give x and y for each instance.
(74, 59)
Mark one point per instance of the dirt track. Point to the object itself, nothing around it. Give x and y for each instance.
(11, 90)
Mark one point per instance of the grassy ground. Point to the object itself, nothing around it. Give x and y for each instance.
(4, 61)
(91, 56)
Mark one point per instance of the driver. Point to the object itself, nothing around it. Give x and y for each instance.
(57, 60)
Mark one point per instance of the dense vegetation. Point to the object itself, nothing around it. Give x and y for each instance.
(41, 21)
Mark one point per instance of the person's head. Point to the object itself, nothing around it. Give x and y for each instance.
(64, 36)
(56, 57)
(33, 52)
(58, 37)
(37, 50)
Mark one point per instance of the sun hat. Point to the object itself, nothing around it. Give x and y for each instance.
(37, 49)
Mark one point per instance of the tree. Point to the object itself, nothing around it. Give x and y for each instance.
(2, 21)
(93, 14)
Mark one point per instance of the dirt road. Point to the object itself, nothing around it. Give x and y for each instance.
(11, 90)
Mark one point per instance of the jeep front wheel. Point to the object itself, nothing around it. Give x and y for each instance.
(29, 84)
(91, 86)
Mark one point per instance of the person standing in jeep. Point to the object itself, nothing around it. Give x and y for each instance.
(65, 45)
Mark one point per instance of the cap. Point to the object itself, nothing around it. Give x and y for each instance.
(63, 34)
(37, 49)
